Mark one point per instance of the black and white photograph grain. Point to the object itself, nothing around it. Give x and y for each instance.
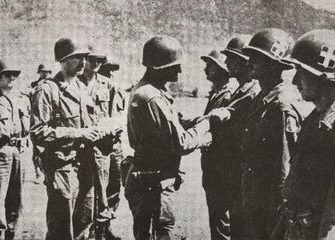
(167, 119)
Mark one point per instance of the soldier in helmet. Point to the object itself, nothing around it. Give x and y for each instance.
(63, 124)
(269, 133)
(14, 129)
(44, 73)
(109, 104)
(158, 140)
(223, 89)
(310, 187)
(226, 136)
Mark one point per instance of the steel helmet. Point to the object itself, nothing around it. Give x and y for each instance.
(273, 43)
(7, 67)
(315, 52)
(161, 52)
(216, 57)
(236, 45)
(65, 48)
(42, 68)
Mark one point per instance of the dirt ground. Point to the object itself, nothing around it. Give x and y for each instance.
(191, 209)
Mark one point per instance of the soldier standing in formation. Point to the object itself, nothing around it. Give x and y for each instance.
(159, 140)
(109, 105)
(269, 134)
(228, 131)
(14, 129)
(310, 187)
(44, 73)
(223, 88)
(63, 126)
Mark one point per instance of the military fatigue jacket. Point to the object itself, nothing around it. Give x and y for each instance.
(267, 141)
(59, 108)
(310, 183)
(109, 106)
(14, 118)
(223, 96)
(229, 133)
(155, 132)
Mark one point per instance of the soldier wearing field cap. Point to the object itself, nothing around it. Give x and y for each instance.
(309, 189)
(63, 124)
(14, 128)
(269, 133)
(159, 141)
(223, 89)
(109, 104)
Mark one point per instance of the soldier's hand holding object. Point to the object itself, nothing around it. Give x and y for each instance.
(221, 114)
(89, 134)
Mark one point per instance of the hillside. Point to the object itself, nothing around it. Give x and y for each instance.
(29, 28)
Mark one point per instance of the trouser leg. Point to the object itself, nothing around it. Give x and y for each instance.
(84, 208)
(144, 204)
(218, 214)
(13, 202)
(114, 185)
(6, 162)
(59, 216)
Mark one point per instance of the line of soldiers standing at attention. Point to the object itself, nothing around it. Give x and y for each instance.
(266, 156)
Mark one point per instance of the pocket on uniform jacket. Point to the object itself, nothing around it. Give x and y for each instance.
(66, 182)
(103, 95)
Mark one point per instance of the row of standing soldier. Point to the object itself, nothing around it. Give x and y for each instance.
(266, 160)
(76, 130)
(267, 164)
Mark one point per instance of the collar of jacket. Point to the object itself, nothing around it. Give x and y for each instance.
(273, 94)
(231, 86)
(328, 118)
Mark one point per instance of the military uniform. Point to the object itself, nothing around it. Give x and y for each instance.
(272, 125)
(228, 162)
(308, 188)
(210, 160)
(109, 105)
(14, 129)
(58, 109)
(36, 149)
(159, 140)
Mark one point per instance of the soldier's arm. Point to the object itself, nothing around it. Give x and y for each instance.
(327, 225)
(42, 132)
(165, 125)
(5, 125)
(283, 127)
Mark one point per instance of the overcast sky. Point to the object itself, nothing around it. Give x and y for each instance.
(324, 4)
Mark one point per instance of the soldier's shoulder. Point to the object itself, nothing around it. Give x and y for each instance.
(146, 92)
(289, 100)
(46, 85)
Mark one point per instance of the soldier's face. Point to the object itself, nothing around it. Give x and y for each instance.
(259, 66)
(214, 72)
(7, 81)
(44, 74)
(170, 74)
(235, 65)
(74, 65)
(93, 64)
(308, 84)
